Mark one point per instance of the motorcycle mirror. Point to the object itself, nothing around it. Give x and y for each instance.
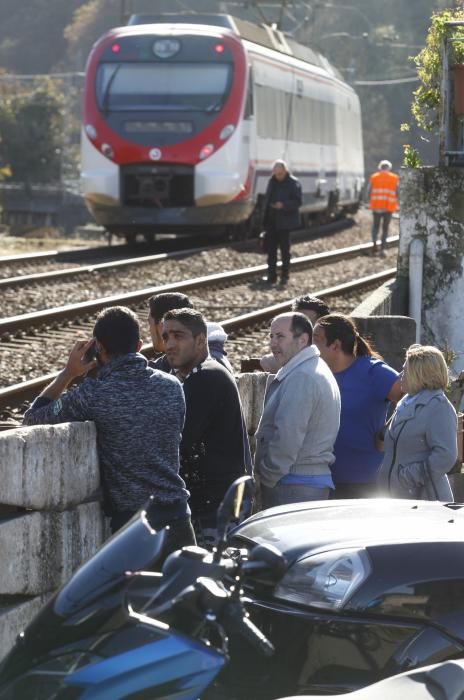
(236, 503)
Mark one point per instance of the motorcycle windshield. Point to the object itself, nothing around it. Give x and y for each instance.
(133, 548)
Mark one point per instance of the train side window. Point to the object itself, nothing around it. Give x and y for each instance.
(249, 103)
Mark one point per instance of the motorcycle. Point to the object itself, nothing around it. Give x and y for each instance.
(347, 593)
(120, 630)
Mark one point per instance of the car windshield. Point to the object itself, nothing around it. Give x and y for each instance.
(162, 86)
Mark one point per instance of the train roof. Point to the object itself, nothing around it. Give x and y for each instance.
(261, 34)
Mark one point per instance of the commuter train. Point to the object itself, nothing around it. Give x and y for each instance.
(183, 117)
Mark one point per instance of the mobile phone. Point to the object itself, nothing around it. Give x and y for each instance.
(90, 353)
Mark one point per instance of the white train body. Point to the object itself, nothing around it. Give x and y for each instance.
(182, 123)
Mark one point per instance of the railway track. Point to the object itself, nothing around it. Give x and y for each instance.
(14, 397)
(91, 253)
(124, 255)
(17, 326)
(75, 272)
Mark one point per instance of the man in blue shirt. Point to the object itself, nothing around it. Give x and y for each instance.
(367, 385)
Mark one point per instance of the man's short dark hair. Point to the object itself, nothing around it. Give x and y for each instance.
(306, 301)
(190, 318)
(117, 328)
(161, 303)
(301, 324)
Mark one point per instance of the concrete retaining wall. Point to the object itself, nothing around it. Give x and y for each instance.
(378, 303)
(50, 520)
(390, 334)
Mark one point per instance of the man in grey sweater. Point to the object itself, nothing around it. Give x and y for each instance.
(139, 415)
(300, 419)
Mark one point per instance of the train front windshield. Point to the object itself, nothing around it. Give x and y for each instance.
(139, 87)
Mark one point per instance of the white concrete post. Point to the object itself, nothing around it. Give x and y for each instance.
(416, 264)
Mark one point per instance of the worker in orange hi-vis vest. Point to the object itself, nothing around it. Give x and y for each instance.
(383, 200)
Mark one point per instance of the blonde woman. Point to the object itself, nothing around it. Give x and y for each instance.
(420, 443)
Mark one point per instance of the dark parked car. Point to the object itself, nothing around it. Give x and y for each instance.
(438, 682)
(373, 588)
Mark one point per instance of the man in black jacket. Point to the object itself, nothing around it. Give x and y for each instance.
(213, 439)
(159, 304)
(281, 215)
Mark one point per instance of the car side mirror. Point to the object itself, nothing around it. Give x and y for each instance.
(267, 560)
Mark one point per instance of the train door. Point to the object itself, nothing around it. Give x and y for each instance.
(249, 133)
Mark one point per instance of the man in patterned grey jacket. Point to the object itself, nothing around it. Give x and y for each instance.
(139, 414)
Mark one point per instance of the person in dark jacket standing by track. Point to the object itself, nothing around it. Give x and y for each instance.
(139, 415)
(214, 439)
(281, 215)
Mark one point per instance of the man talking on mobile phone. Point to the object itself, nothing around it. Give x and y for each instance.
(139, 415)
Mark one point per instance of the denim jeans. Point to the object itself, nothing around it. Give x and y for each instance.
(282, 494)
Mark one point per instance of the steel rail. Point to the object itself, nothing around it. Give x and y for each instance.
(28, 257)
(54, 275)
(58, 255)
(17, 394)
(12, 325)
(67, 254)
(254, 318)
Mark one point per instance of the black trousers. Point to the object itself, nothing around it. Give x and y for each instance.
(275, 240)
(383, 217)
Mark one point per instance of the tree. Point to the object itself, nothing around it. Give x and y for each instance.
(31, 33)
(426, 102)
(30, 135)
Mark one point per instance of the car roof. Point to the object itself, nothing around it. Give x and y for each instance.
(305, 528)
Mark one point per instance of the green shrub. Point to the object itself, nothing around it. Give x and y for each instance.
(426, 101)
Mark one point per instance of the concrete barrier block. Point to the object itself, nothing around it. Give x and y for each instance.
(86, 529)
(48, 466)
(14, 618)
(390, 335)
(378, 303)
(39, 551)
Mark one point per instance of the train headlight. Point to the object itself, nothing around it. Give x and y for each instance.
(226, 132)
(166, 48)
(107, 150)
(206, 151)
(91, 131)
